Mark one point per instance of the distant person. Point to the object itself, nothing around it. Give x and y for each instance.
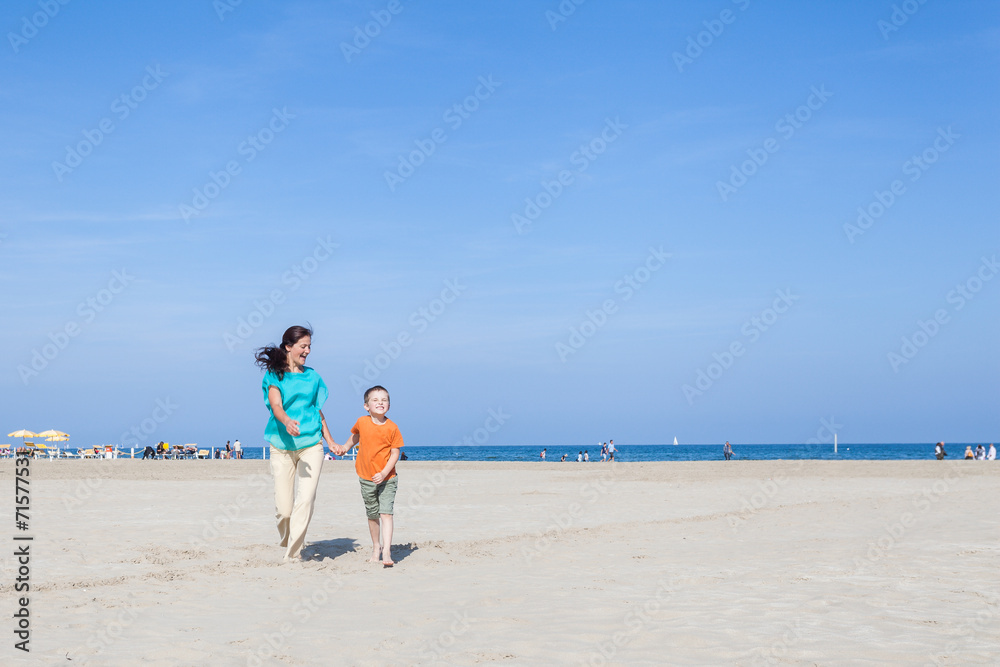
(611, 450)
(238, 449)
(542, 455)
(379, 442)
(148, 453)
(968, 452)
(579, 457)
(229, 450)
(586, 456)
(604, 452)
(563, 458)
(991, 455)
(980, 452)
(727, 450)
(939, 452)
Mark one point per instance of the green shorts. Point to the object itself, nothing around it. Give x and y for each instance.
(378, 497)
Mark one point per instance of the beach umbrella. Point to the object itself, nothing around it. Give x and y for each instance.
(52, 434)
(22, 434)
(57, 438)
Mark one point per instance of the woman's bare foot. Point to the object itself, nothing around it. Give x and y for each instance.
(387, 560)
(376, 557)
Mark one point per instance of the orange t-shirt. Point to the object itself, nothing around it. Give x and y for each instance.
(374, 444)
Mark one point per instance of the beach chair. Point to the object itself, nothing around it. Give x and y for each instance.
(202, 453)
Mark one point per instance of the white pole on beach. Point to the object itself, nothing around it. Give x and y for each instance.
(834, 443)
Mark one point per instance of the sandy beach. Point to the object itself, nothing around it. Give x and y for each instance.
(706, 563)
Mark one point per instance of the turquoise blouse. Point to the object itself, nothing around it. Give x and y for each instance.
(302, 396)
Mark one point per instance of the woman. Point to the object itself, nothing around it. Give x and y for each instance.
(294, 394)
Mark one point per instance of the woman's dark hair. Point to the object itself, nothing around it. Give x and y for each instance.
(274, 358)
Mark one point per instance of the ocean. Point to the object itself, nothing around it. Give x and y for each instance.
(845, 452)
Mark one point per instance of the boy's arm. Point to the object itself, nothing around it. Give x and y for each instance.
(349, 444)
(379, 477)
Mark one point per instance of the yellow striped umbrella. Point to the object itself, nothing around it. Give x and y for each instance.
(22, 434)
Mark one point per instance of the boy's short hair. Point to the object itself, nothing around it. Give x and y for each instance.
(377, 387)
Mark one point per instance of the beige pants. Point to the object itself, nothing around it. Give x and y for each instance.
(294, 510)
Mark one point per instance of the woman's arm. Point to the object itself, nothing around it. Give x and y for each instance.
(274, 399)
(326, 435)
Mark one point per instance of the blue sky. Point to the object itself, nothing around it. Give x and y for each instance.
(182, 182)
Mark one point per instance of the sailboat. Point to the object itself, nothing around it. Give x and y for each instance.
(675, 439)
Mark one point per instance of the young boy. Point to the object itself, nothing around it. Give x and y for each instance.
(378, 441)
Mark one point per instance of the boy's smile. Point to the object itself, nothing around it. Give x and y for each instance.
(377, 404)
